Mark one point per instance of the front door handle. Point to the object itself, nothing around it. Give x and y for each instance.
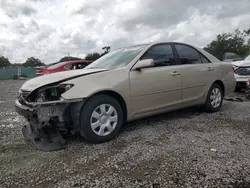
(175, 73)
(210, 69)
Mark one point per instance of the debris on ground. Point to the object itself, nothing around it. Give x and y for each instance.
(213, 150)
(44, 139)
(236, 99)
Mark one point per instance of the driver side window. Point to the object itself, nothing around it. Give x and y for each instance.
(161, 54)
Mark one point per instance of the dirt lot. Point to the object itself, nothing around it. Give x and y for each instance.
(186, 148)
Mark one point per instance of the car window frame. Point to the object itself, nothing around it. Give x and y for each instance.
(159, 44)
(200, 54)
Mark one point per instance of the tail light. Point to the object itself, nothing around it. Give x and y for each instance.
(234, 68)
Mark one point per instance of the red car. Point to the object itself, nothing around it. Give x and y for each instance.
(64, 66)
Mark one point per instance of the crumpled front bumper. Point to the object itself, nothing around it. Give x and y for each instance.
(46, 119)
(41, 112)
(23, 110)
(44, 138)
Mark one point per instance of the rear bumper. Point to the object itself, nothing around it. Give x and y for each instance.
(241, 84)
(241, 78)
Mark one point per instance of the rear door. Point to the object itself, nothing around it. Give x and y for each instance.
(196, 71)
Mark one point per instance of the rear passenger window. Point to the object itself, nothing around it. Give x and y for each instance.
(187, 54)
(161, 54)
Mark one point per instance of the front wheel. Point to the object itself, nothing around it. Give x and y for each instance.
(101, 119)
(214, 98)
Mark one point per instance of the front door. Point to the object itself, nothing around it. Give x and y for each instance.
(158, 87)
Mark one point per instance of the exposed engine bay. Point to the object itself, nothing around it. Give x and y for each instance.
(50, 93)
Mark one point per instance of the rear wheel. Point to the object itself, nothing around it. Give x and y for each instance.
(214, 98)
(101, 119)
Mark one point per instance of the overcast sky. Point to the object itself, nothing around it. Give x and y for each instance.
(50, 29)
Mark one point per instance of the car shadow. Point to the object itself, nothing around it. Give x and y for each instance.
(167, 116)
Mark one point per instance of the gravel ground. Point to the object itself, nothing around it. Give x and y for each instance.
(186, 148)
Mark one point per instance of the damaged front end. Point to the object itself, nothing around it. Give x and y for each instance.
(48, 114)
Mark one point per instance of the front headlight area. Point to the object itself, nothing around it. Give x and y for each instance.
(50, 93)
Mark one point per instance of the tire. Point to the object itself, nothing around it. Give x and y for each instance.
(106, 126)
(216, 106)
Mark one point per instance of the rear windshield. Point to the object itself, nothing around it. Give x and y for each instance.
(56, 65)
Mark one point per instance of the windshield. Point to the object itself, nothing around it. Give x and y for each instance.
(248, 57)
(55, 65)
(117, 58)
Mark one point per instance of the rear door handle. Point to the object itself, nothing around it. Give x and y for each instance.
(175, 73)
(210, 69)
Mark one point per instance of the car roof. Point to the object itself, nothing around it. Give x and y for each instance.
(208, 55)
(78, 61)
(157, 42)
(60, 64)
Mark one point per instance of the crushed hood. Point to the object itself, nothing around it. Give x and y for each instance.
(241, 63)
(40, 81)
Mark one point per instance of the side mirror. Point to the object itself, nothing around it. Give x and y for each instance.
(231, 57)
(146, 63)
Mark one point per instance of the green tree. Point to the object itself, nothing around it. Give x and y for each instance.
(106, 50)
(69, 58)
(92, 56)
(17, 64)
(247, 32)
(32, 62)
(236, 42)
(4, 62)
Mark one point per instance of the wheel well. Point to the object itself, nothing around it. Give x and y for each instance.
(119, 98)
(221, 85)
